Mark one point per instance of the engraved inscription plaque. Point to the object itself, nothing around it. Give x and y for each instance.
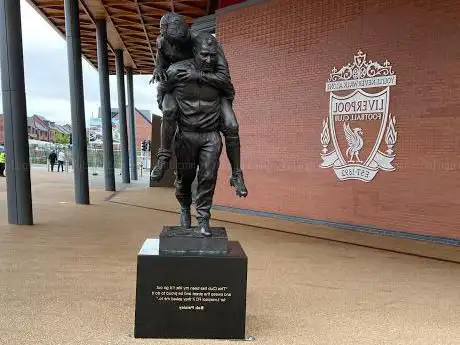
(190, 296)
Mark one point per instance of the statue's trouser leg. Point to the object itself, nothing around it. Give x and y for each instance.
(168, 129)
(231, 134)
(232, 143)
(210, 148)
(186, 150)
(168, 125)
(160, 97)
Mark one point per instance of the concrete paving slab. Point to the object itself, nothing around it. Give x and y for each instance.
(71, 278)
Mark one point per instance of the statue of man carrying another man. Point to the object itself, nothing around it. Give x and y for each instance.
(195, 93)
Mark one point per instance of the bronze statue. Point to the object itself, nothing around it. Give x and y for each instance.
(195, 94)
(175, 44)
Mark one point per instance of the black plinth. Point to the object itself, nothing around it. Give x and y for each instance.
(179, 240)
(190, 296)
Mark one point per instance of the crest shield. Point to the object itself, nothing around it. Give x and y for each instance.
(359, 125)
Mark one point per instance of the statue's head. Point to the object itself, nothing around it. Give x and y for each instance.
(174, 27)
(205, 52)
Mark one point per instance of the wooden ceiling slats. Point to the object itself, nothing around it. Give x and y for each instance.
(137, 23)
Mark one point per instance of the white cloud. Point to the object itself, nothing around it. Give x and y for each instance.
(47, 80)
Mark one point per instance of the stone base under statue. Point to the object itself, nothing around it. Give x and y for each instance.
(190, 296)
(179, 240)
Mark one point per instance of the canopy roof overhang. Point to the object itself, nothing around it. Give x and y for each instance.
(132, 25)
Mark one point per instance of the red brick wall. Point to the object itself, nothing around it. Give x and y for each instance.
(281, 53)
(143, 130)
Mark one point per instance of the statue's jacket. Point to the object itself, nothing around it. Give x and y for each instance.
(198, 102)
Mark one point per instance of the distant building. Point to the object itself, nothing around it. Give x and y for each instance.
(60, 133)
(39, 128)
(143, 124)
(68, 128)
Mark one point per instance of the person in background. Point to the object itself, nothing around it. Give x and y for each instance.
(52, 158)
(2, 162)
(61, 159)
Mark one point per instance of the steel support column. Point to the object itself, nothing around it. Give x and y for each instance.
(77, 105)
(132, 123)
(19, 196)
(106, 113)
(122, 116)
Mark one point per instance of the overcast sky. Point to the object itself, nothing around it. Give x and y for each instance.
(46, 74)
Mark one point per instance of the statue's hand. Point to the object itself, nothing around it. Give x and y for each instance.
(159, 75)
(185, 75)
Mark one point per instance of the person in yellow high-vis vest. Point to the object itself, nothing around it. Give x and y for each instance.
(2, 163)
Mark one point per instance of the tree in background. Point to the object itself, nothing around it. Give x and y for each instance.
(61, 138)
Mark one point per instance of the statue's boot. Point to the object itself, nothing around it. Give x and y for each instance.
(232, 143)
(185, 217)
(204, 228)
(237, 182)
(159, 169)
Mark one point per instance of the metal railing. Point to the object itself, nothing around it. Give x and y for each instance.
(39, 156)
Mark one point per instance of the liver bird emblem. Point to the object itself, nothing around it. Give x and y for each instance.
(355, 143)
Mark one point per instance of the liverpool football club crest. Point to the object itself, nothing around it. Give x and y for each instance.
(359, 135)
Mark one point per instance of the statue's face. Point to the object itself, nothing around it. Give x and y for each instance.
(206, 58)
(174, 28)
